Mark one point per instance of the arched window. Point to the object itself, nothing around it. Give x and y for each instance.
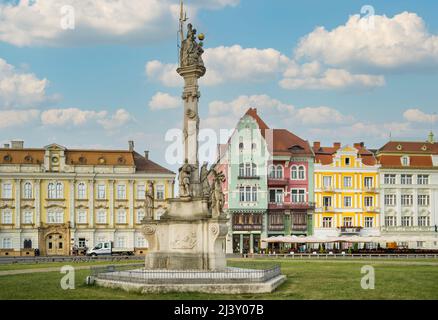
(248, 194)
(242, 170)
(301, 173)
(294, 173)
(27, 244)
(82, 191)
(272, 172)
(279, 172)
(247, 170)
(51, 191)
(27, 190)
(59, 190)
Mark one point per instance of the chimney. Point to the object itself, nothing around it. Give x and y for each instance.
(337, 145)
(131, 145)
(146, 155)
(316, 145)
(17, 144)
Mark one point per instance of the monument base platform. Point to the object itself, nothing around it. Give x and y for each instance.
(228, 281)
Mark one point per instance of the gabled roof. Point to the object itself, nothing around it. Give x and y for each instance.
(285, 143)
(252, 112)
(144, 165)
(417, 147)
(325, 155)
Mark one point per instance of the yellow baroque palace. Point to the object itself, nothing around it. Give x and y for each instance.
(346, 191)
(60, 201)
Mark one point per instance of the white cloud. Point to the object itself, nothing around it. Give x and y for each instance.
(416, 115)
(320, 115)
(330, 79)
(19, 89)
(12, 118)
(162, 101)
(240, 105)
(400, 41)
(117, 120)
(38, 22)
(225, 64)
(76, 117)
(70, 116)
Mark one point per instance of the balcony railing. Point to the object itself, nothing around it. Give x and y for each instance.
(247, 227)
(291, 206)
(328, 188)
(248, 177)
(349, 230)
(278, 182)
(407, 229)
(276, 227)
(371, 209)
(299, 227)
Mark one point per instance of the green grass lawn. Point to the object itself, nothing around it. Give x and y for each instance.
(305, 280)
(22, 266)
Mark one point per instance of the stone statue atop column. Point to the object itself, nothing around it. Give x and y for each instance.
(191, 51)
(149, 202)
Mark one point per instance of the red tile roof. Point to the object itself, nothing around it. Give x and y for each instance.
(417, 147)
(394, 161)
(285, 143)
(324, 155)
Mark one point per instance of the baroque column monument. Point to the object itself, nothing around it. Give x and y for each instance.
(191, 234)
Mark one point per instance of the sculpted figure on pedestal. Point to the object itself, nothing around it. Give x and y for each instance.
(217, 196)
(206, 189)
(149, 202)
(185, 173)
(191, 51)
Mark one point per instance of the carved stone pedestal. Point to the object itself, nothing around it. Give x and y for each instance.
(186, 238)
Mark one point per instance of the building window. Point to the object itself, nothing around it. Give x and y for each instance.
(7, 191)
(369, 222)
(7, 243)
(121, 217)
(301, 173)
(294, 173)
(28, 217)
(276, 196)
(368, 182)
(407, 221)
(55, 217)
(327, 202)
(276, 172)
(254, 194)
(101, 217)
(141, 191)
(423, 200)
(101, 194)
(347, 161)
(347, 202)
(424, 221)
(141, 242)
(405, 161)
(121, 192)
(27, 244)
(348, 182)
(407, 200)
(55, 190)
(406, 179)
(420, 244)
(348, 222)
(368, 201)
(241, 170)
(422, 179)
(140, 215)
(390, 221)
(327, 222)
(82, 191)
(247, 170)
(27, 190)
(7, 217)
(82, 243)
(327, 181)
(389, 179)
(82, 217)
(242, 194)
(298, 195)
(276, 219)
(390, 200)
(160, 192)
(121, 243)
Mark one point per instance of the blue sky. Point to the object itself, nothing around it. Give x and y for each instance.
(110, 79)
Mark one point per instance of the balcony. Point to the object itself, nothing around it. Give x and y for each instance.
(349, 230)
(371, 209)
(370, 189)
(278, 182)
(291, 206)
(328, 189)
(408, 229)
(248, 177)
(247, 227)
(299, 228)
(276, 227)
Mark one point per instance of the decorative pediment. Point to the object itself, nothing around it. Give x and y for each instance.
(121, 205)
(7, 204)
(55, 147)
(81, 206)
(139, 205)
(55, 204)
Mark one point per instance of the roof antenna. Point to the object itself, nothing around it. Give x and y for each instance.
(180, 34)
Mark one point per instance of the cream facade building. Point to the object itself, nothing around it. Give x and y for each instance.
(55, 199)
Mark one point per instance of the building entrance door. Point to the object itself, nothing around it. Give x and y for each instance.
(246, 243)
(55, 244)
